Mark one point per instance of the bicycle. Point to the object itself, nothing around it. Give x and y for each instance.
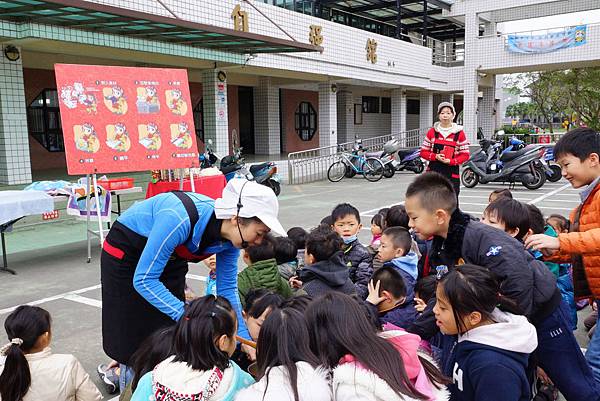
(347, 165)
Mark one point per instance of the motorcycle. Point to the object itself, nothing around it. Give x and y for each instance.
(208, 158)
(263, 173)
(522, 166)
(552, 170)
(387, 157)
(266, 174)
(410, 159)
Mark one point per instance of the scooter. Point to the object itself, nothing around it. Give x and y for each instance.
(552, 170)
(263, 173)
(410, 159)
(266, 174)
(522, 166)
(387, 157)
(208, 158)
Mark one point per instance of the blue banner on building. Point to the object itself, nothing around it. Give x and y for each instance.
(569, 37)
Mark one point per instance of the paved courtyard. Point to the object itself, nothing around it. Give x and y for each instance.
(60, 280)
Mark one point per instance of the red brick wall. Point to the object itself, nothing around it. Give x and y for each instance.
(290, 101)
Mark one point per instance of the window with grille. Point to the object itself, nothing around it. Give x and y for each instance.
(43, 120)
(370, 104)
(306, 121)
(386, 105)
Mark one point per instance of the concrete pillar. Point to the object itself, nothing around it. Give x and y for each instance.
(398, 111)
(267, 133)
(214, 98)
(345, 114)
(15, 163)
(471, 80)
(426, 111)
(327, 115)
(487, 106)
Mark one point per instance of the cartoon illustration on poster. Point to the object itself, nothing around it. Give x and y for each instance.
(124, 119)
(114, 99)
(149, 136)
(175, 101)
(147, 100)
(74, 95)
(180, 135)
(117, 137)
(86, 138)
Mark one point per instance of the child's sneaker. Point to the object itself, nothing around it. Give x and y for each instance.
(109, 377)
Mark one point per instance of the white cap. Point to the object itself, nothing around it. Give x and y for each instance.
(257, 201)
(446, 104)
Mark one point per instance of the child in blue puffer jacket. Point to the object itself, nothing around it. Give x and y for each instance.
(396, 306)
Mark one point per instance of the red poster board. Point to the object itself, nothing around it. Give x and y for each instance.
(117, 119)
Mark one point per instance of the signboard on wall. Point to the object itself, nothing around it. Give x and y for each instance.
(118, 119)
(548, 42)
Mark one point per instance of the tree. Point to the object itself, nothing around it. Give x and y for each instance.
(571, 92)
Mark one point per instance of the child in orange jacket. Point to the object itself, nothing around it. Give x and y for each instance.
(578, 153)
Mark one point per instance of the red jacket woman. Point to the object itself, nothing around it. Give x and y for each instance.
(446, 146)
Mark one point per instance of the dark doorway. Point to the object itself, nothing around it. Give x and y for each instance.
(246, 112)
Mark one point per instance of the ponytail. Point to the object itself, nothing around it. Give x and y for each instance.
(24, 326)
(471, 288)
(205, 320)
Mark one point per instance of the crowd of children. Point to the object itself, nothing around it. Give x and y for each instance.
(438, 306)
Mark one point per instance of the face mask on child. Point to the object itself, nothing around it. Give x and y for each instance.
(350, 239)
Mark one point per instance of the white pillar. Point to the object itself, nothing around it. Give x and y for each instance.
(214, 99)
(327, 115)
(15, 162)
(398, 111)
(345, 114)
(471, 81)
(267, 132)
(486, 111)
(426, 111)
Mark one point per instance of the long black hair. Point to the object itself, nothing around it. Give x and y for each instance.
(283, 341)
(471, 288)
(26, 323)
(339, 326)
(152, 351)
(194, 341)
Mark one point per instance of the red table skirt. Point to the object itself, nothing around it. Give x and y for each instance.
(211, 186)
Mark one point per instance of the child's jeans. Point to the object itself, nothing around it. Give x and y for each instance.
(561, 358)
(125, 376)
(593, 353)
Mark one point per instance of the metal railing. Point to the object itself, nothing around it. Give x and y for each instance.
(311, 165)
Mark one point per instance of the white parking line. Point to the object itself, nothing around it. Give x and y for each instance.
(84, 300)
(371, 212)
(549, 194)
(53, 298)
(75, 297)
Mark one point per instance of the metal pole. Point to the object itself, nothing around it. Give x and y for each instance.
(98, 210)
(399, 19)
(425, 21)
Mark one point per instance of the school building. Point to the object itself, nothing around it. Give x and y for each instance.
(298, 74)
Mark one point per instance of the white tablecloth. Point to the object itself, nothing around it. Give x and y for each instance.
(16, 204)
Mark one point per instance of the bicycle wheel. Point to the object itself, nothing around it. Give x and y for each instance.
(372, 169)
(336, 171)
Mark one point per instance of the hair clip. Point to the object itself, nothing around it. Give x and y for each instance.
(213, 314)
(186, 318)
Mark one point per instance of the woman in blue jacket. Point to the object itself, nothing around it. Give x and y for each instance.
(145, 258)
